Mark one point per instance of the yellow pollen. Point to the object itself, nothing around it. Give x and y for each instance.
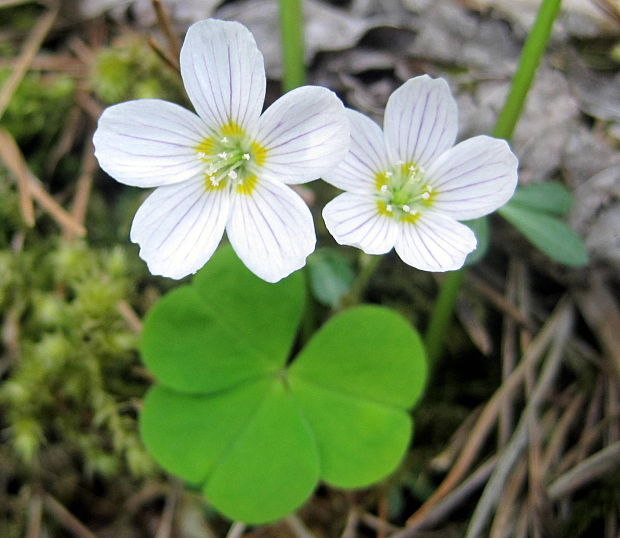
(204, 148)
(231, 129)
(248, 185)
(259, 153)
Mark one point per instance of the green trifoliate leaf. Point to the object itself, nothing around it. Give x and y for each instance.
(547, 233)
(227, 327)
(257, 435)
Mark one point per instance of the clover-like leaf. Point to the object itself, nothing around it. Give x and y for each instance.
(219, 331)
(255, 434)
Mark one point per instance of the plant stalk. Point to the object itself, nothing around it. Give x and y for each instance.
(531, 54)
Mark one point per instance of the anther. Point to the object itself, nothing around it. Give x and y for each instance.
(426, 195)
(384, 188)
(223, 155)
(389, 208)
(388, 174)
(224, 139)
(214, 181)
(232, 174)
(246, 156)
(406, 209)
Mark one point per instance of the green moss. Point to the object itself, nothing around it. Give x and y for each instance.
(37, 113)
(73, 381)
(131, 70)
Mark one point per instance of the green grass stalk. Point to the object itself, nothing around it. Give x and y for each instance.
(292, 39)
(531, 54)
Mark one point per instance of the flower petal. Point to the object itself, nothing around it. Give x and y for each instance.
(178, 227)
(271, 230)
(367, 156)
(435, 243)
(148, 142)
(305, 133)
(354, 220)
(421, 120)
(473, 178)
(223, 72)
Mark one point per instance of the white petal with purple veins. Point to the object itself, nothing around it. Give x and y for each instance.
(473, 178)
(366, 158)
(354, 220)
(178, 227)
(147, 143)
(421, 120)
(305, 133)
(271, 230)
(435, 242)
(223, 72)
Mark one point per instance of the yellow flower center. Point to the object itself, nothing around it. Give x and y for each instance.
(231, 159)
(403, 192)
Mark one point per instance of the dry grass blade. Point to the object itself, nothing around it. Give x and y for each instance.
(602, 314)
(163, 17)
(520, 437)
(29, 51)
(451, 501)
(67, 519)
(9, 152)
(603, 462)
(84, 185)
(489, 414)
(297, 527)
(14, 161)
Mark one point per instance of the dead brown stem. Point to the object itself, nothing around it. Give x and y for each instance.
(163, 18)
(489, 415)
(29, 51)
(66, 518)
(15, 162)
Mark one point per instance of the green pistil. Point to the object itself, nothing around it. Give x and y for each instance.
(403, 192)
(230, 158)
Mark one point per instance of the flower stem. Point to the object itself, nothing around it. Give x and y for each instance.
(531, 54)
(367, 264)
(292, 36)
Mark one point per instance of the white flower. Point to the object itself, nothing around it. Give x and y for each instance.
(226, 167)
(408, 187)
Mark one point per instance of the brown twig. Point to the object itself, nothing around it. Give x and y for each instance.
(164, 530)
(171, 62)
(350, 527)
(35, 512)
(129, 315)
(15, 162)
(297, 526)
(499, 301)
(518, 441)
(84, 185)
(163, 18)
(451, 501)
(9, 153)
(66, 518)
(66, 140)
(603, 462)
(509, 499)
(29, 51)
(489, 414)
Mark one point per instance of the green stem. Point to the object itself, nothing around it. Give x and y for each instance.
(368, 264)
(532, 52)
(531, 55)
(292, 36)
